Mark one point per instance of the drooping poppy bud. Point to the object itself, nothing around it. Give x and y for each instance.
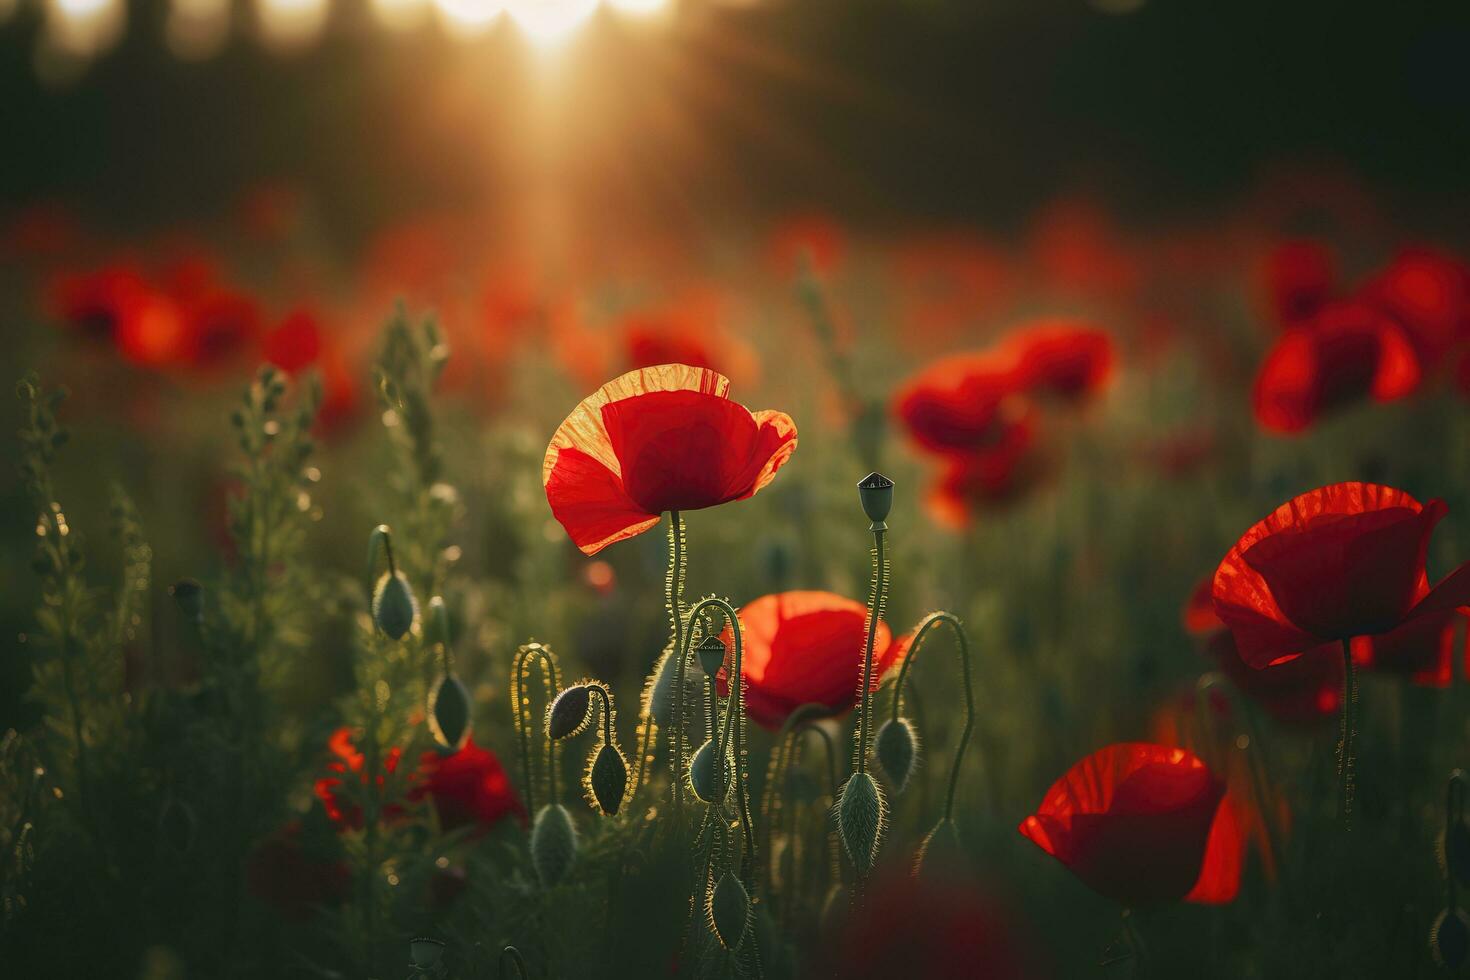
(862, 815)
(607, 779)
(553, 844)
(394, 607)
(875, 491)
(705, 778)
(449, 713)
(1449, 938)
(570, 713)
(896, 750)
(711, 651)
(728, 907)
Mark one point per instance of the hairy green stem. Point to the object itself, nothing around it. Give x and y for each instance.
(963, 645)
(875, 606)
(1346, 761)
(526, 720)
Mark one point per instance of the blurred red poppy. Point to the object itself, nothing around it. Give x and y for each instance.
(1427, 292)
(958, 404)
(805, 647)
(804, 241)
(1062, 358)
(281, 872)
(1346, 354)
(469, 788)
(1422, 650)
(947, 281)
(295, 342)
(336, 800)
(1133, 821)
(687, 329)
(988, 477)
(1298, 278)
(658, 439)
(934, 929)
(1335, 563)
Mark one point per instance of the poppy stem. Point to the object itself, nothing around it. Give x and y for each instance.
(520, 697)
(607, 711)
(875, 608)
(1346, 761)
(774, 803)
(920, 633)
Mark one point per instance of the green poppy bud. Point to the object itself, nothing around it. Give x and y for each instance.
(658, 695)
(711, 651)
(862, 816)
(449, 713)
(394, 607)
(895, 750)
(607, 779)
(875, 491)
(728, 908)
(1449, 938)
(553, 844)
(704, 778)
(570, 713)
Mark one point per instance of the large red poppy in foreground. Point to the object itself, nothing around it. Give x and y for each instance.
(658, 439)
(1339, 562)
(804, 647)
(1135, 821)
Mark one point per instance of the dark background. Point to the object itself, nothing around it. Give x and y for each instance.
(970, 111)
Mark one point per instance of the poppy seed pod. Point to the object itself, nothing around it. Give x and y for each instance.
(425, 953)
(876, 493)
(1449, 938)
(449, 713)
(728, 907)
(711, 652)
(570, 713)
(394, 605)
(895, 750)
(553, 844)
(703, 777)
(607, 779)
(862, 815)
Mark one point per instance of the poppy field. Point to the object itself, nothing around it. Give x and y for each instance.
(816, 592)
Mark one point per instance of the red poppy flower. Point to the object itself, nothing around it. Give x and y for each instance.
(805, 647)
(960, 403)
(281, 872)
(1066, 359)
(1241, 822)
(1133, 821)
(1347, 353)
(1428, 294)
(1298, 278)
(117, 303)
(997, 475)
(348, 761)
(469, 788)
(934, 929)
(295, 342)
(1338, 562)
(658, 439)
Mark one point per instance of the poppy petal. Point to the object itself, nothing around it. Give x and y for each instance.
(590, 502)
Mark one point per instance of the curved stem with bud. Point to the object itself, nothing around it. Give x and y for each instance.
(921, 632)
(526, 719)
